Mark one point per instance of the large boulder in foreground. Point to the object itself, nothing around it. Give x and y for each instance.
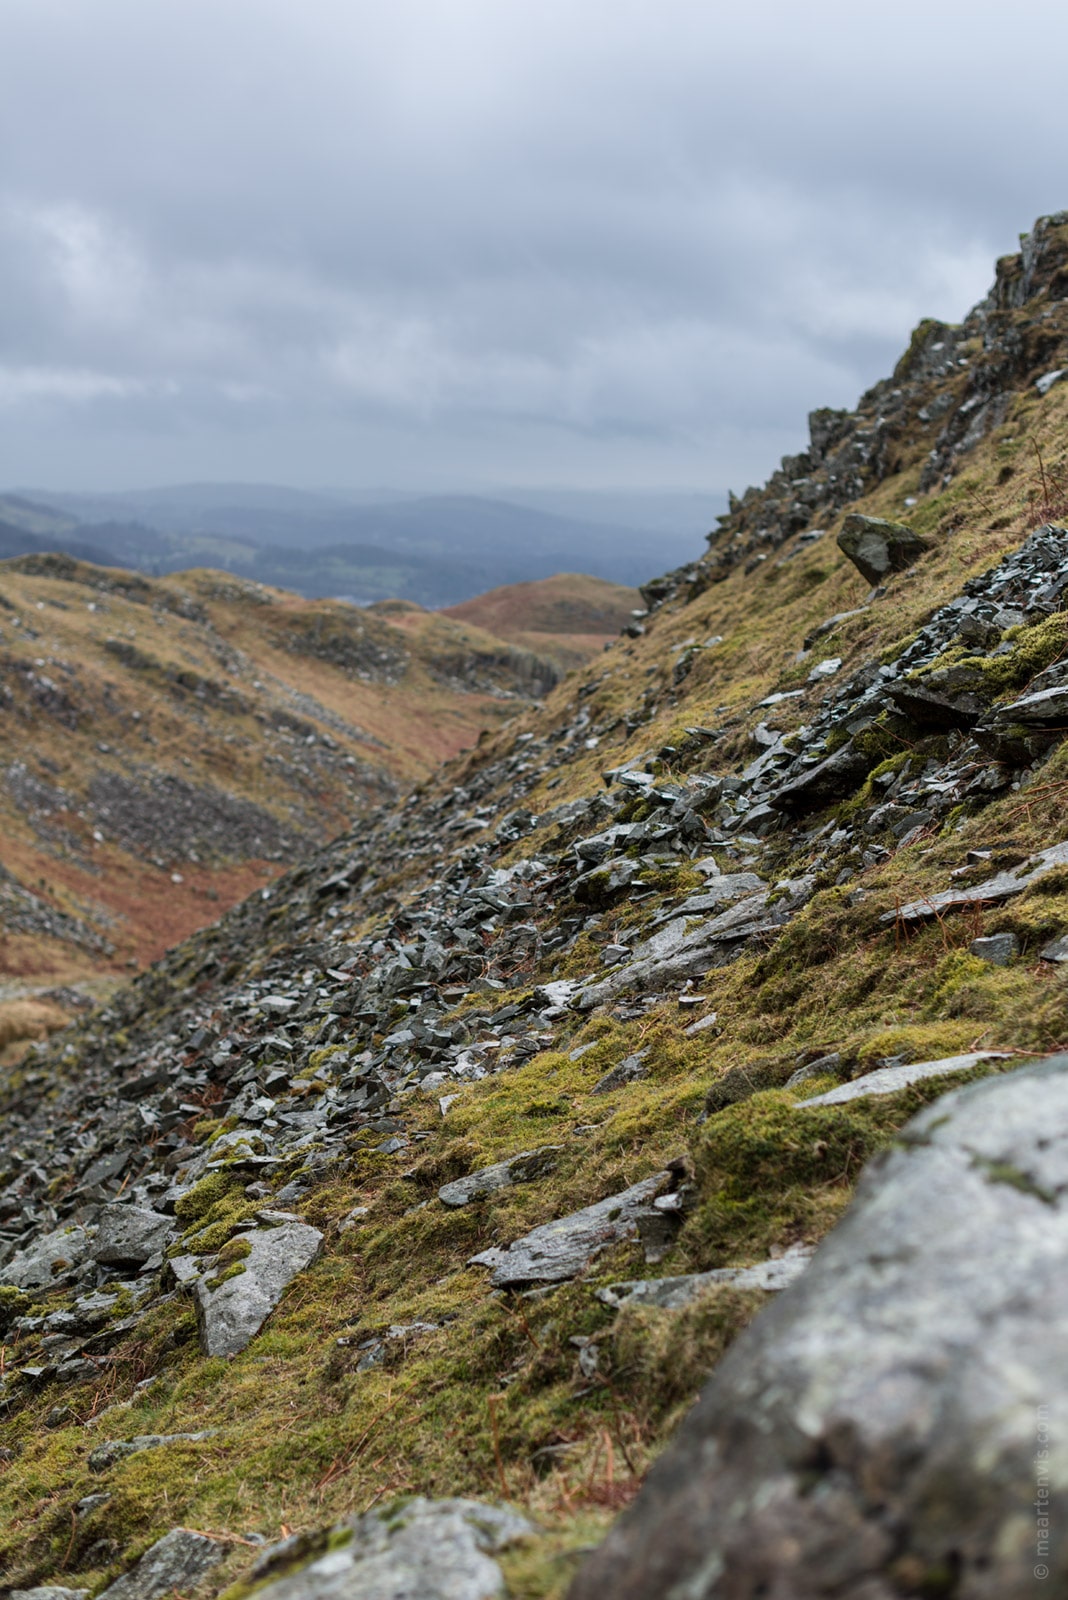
(894, 1424)
(877, 547)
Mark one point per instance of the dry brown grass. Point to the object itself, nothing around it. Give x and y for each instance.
(24, 1021)
(571, 604)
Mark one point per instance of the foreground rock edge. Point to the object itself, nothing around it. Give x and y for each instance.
(879, 1422)
(433, 1549)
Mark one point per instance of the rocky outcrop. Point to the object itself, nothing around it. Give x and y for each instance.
(110, 1454)
(887, 1427)
(671, 1294)
(49, 1591)
(953, 385)
(891, 1080)
(47, 1260)
(130, 1236)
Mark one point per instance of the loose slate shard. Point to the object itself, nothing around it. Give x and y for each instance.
(1000, 887)
(927, 707)
(629, 1070)
(877, 547)
(837, 775)
(999, 949)
(721, 890)
(175, 1563)
(888, 1080)
(1048, 708)
(420, 1550)
(559, 1250)
(671, 1294)
(488, 1180)
(880, 1418)
(232, 1311)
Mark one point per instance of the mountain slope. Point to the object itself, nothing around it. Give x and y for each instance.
(170, 744)
(566, 618)
(494, 1064)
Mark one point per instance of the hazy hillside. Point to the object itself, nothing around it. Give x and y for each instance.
(436, 550)
(699, 1032)
(29, 516)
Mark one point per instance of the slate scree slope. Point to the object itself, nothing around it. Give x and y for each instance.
(715, 1002)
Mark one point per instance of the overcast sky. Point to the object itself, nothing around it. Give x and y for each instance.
(467, 243)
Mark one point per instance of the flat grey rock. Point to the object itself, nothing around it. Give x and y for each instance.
(999, 887)
(128, 1236)
(825, 669)
(888, 1080)
(671, 1294)
(1056, 950)
(829, 625)
(419, 1550)
(1049, 707)
(185, 1269)
(234, 1311)
(719, 891)
(558, 1250)
(894, 1411)
(47, 1259)
(837, 775)
(112, 1451)
(828, 1065)
(997, 948)
(176, 1562)
(670, 934)
(488, 1180)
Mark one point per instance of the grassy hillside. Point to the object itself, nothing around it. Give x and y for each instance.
(566, 618)
(617, 946)
(168, 745)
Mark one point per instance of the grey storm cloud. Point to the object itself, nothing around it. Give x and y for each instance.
(473, 242)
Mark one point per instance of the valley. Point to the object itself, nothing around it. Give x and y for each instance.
(172, 745)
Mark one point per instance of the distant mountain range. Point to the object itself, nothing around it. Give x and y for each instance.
(437, 550)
